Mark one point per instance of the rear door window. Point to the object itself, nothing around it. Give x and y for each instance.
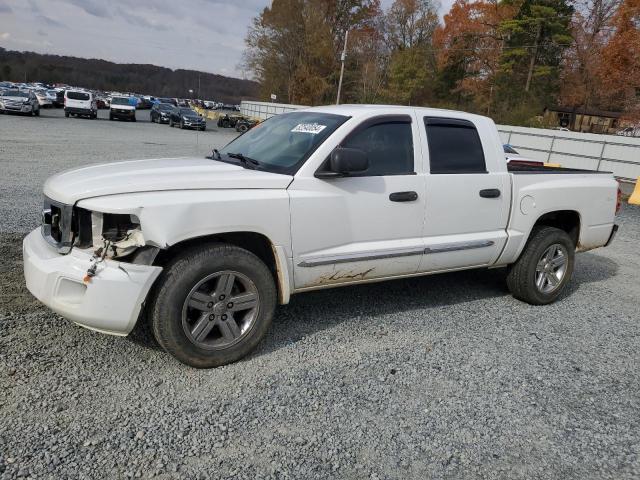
(78, 95)
(454, 146)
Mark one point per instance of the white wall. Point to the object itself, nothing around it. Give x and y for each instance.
(620, 155)
(264, 110)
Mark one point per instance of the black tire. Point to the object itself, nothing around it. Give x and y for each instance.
(226, 124)
(110, 117)
(181, 125)
(166, 304)
(521, 276)
(37, 112)
(66, 114)
(133, 119)
(171, 122)
(242, 128)
(204, 128)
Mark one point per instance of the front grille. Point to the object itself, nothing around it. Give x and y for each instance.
(57, 224)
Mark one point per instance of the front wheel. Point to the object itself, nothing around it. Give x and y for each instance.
(544, 268)
(212, 305)
(171, 122)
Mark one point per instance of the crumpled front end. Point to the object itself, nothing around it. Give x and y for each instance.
(110, 301)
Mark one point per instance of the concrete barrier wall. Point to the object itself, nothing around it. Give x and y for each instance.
(264, 110)
(620, 155)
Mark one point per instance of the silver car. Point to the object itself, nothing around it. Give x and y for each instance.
(19, 101)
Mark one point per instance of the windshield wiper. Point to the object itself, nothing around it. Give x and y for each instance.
(244, 159)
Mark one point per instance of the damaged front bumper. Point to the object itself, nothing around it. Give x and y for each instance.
(110, 302)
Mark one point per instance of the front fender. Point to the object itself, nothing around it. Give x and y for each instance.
(170, 217)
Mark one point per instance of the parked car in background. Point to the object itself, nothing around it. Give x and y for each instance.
(43, 100)
(230, 121)
(102, 103)
(143, 103)
(245, 124)
(18, 101)
(59, 101)
(514, 158)
(52, 96)
(629, 132)
(122, 108)
(171, 101)
(186, 118)
(160, 112)
(80, 103)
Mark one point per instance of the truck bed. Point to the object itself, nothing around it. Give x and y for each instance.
(519, 169)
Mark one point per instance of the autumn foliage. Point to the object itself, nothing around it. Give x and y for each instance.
(508, 58)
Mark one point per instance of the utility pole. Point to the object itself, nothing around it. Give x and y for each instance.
(533, 57)
(343, 57)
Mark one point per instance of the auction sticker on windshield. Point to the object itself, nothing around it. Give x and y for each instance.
(313, 128)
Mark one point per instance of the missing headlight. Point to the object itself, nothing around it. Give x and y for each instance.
(115, 226)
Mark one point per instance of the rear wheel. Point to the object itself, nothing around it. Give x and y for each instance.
(544, 268)
(171, 122)
(212, 305)
(66, 114)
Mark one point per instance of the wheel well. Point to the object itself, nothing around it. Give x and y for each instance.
(567, 220)
(256, 243)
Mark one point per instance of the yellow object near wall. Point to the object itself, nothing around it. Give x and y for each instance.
(634, 199)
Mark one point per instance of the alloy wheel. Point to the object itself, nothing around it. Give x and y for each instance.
(220, 310)
(551, 268)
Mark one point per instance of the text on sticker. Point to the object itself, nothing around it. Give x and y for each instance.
(313, 128)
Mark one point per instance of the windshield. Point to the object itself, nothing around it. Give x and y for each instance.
(120, 101)
(165, 106)
(15, 93)
(282, 143)
(187, 111)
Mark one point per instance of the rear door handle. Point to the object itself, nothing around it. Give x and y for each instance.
(490, 193)
(403, 196)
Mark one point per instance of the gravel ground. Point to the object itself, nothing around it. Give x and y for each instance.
(435, 377)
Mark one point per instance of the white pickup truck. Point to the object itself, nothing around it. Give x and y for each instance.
(317, 198)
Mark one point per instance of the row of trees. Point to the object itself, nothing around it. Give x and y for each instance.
(505, 58)
(103, 75)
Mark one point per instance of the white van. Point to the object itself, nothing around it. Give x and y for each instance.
(80, 102)
(122, 108)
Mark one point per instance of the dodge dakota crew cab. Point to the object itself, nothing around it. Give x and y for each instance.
(205, 248)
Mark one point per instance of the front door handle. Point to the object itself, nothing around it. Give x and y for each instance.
(403, 196)
(490, 193)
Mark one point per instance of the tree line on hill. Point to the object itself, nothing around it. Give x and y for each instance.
(505, 58)
(109, 76)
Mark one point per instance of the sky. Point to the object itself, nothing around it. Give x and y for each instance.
(205, 35)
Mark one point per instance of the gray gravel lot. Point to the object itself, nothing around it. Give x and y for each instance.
(437, 377)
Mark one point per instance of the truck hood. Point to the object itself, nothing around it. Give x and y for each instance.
(158, 174)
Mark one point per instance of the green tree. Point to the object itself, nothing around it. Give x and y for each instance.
(530, 62)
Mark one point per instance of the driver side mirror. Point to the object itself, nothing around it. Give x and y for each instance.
(344, 162)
